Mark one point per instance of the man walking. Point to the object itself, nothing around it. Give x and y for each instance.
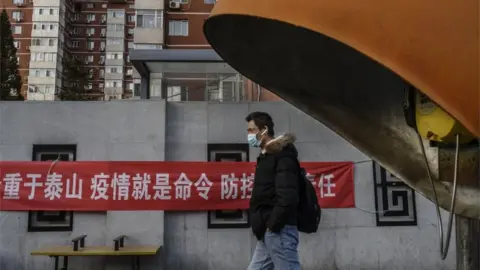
(275, 196)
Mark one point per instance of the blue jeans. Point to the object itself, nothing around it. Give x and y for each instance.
(277, 251)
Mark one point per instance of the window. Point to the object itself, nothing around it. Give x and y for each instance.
(90, 58)
(102, 45)
(75, 44)
(178, 28)
(52, 220)
(114, 56)
(117, 70)
(113, 83)
(17, 29)
(115, 27)
(176, 93)
(131, 31)
(101, 73)
(104, 5)
(51, 11)
(103, 18)
(131, 18)
(119, 13)
(90, 31)
(103, 32)
(52, 42)
(130, 45)
(16, 44)
(18, 2)
(90, 5)
(181, 1)
(221, 219)
(209, 1)
(129, 71)
(17, 15)
(77, 31)
(39, 72)
(114, 41)
(40, 56)
(90, 17)
(130, 86)
(149, 18)
(32, 89)
(90, 45)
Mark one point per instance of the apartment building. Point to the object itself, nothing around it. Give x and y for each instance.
(101, 33)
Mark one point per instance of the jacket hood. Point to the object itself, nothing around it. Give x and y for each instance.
(282, 143)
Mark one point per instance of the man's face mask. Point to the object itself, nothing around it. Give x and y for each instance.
(253, 141)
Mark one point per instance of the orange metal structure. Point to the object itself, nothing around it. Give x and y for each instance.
(347, 63)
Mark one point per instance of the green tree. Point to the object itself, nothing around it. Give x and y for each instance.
(75, 80)
(10, 80)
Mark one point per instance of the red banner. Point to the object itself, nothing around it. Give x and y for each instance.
(101, 186)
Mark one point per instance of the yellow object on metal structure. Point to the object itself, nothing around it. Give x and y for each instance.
(435, 124)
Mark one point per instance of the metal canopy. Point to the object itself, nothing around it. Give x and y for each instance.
(178, 61)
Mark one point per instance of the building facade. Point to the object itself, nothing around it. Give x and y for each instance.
(101, 34)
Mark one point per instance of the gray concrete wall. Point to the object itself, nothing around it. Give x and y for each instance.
(151, 130)
(102, 131)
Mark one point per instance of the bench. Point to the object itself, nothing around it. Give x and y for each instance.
(78, 248)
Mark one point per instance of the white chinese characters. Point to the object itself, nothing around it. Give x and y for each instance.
(140, 186)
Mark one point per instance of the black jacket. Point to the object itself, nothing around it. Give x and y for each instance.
(275, 192)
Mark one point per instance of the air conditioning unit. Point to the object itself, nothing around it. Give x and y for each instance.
(103, 21)
(102, 34)
(174, 5)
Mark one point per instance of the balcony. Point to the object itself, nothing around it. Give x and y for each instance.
(113, 76)
(148, 35)
(45, 17)
(150, 4)
(41, 80)
(45, 33)
(113, 91)
(43, 64)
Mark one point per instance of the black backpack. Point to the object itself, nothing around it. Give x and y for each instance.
(309, 211)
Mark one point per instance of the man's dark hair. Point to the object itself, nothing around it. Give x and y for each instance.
(262, 120)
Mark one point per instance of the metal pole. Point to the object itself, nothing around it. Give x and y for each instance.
(468, 243)
(468, 230)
